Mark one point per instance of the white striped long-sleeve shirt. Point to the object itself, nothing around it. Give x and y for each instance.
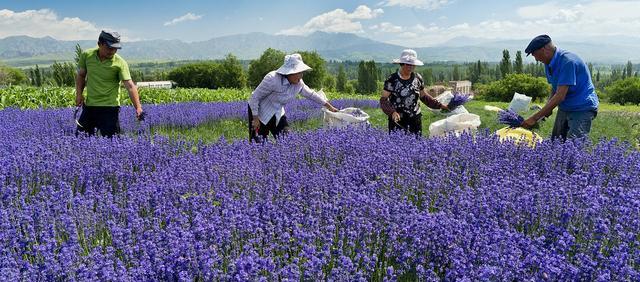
(275, 91)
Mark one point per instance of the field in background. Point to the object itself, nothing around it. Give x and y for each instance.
(613, 121)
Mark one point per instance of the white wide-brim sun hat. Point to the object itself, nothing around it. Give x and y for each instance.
(409, 57)
(292, 64)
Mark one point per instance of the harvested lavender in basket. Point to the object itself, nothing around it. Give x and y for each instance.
(357, 113)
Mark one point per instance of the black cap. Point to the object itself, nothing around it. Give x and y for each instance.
(111, 38)
(537, 43)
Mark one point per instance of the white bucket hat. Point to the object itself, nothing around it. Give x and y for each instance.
(292, 64)
(409, 57)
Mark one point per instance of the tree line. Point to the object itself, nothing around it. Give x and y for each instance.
(363, 77)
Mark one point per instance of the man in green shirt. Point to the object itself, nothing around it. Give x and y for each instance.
(101, 70)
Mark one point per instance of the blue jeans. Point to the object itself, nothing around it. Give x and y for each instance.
(573, 124)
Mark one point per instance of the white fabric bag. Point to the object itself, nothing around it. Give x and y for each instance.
(444, 99)
(454, 124)
(345, 117)
(519, 102)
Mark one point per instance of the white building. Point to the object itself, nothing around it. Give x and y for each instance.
(462, 86)
(156, 84)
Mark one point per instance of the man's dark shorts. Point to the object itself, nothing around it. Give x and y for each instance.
(103, 119)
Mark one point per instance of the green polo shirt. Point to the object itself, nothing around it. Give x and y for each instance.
(103, 78)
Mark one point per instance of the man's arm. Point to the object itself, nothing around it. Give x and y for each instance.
(80, 84)
(133, 95)
(555, 100)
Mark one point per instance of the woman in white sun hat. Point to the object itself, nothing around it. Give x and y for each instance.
(401, 93)
(279, 87)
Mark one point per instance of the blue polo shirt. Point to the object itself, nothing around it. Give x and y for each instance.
(568, 69)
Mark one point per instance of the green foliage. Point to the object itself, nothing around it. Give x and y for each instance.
(518, 67)
(367, 77)
(350, 88)
(64, 74)
(624, 91)
(78, 53)
(480, 72)
(505, 64)
(270, 60)
(47, 97)
(329, 82)
(36, 97)
(609, 124)
(315, 77)
(456, 73)
(427, 76)
(178, 95)
(36, 76)
(535, 69)
(11, 76)
(199, 75)
(503, 90)
(137, 75)
(341, 80)
(231, 74)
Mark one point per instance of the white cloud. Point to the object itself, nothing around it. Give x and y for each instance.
(418, 4)
(186, 17)
(337, 20)
(386, 27)
(602, 10)
(560, 20)
(44, 22)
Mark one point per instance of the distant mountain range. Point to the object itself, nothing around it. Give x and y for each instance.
(26, 51)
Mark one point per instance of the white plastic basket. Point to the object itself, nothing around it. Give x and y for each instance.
(455, 124)
(345, 117)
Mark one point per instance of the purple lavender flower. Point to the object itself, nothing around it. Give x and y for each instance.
(312, 206)
(510, 118)
(457, 100)
(356, 113)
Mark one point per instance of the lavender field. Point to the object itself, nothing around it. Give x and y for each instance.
(340, 205)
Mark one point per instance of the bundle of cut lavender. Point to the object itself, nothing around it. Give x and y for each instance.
(510, 118)
(458, 100)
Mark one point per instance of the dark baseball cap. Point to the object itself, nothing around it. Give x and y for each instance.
(537, 43)
(111, 38)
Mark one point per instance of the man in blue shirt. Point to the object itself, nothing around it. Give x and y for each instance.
(572, 90)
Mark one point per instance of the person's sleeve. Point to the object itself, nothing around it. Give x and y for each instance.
(567, 75)
(312, 95)
(388, 86)
(419, 77)
(386, 106)
(263, 90)
(430, 101)
(124, 72)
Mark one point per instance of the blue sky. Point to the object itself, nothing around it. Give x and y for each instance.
(415, 23)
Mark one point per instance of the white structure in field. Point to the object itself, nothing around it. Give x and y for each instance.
(157, 84)
(462, 86)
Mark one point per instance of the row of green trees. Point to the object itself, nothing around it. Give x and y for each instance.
(492, 81)
(229, 73)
